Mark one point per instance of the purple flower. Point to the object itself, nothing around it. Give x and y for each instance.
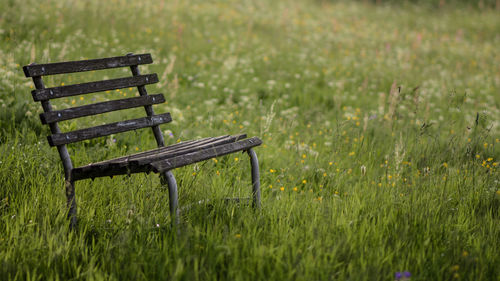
(398, 275)
(407, 274)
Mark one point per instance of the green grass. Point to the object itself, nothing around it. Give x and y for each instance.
(359, 180)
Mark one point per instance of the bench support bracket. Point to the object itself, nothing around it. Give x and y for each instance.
(173, 195)
(71, 202)
(254, 162)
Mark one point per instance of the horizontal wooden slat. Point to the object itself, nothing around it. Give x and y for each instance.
(108, 129)
(98, 108)
(184, 150)
(190, 158)
(139, 162)
(85, 65)
(93, 87)
(124, 159)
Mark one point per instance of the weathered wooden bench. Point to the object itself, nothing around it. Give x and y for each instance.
(161, 160)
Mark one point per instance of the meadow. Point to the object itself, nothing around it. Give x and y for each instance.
(380, 123)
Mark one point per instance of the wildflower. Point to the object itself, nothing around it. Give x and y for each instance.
(465, 253)
(272, 170)
(236, 159)
(489, 159)
(295, 188)
(136, 148)
(304, 181)
(445, 165)
(282, 188)
(351, 153)
(455, 267)
(330, 163)
(237, 235)
(402, 275)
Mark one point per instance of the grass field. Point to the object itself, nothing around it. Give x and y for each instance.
(360, 180)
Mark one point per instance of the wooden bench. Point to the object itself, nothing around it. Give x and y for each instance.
(161, 160)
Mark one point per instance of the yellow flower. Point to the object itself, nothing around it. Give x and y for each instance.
(304, 156)
(445, 165)
(304, 181)
(272, 170)
(465, 253)
(237, 235)
(282, 188)
(236, 159)
(215, 160)
(330, 163)
(295, 188)
(351, 153)
(489, 159)
(136, 148)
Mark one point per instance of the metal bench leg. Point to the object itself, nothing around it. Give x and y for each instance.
(71, 203)
(254, 162)
(172, 194)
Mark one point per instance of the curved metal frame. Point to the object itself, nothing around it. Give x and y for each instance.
(173, 193)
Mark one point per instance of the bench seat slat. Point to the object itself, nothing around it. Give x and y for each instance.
(98, 108)
(205, 154)
(180, 151)
(108, 129)
(140, 162)
(124, 159)
(93, 87)
(163, 150)
(85, 65)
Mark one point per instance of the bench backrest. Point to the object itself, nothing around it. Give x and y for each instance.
(51, 117)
